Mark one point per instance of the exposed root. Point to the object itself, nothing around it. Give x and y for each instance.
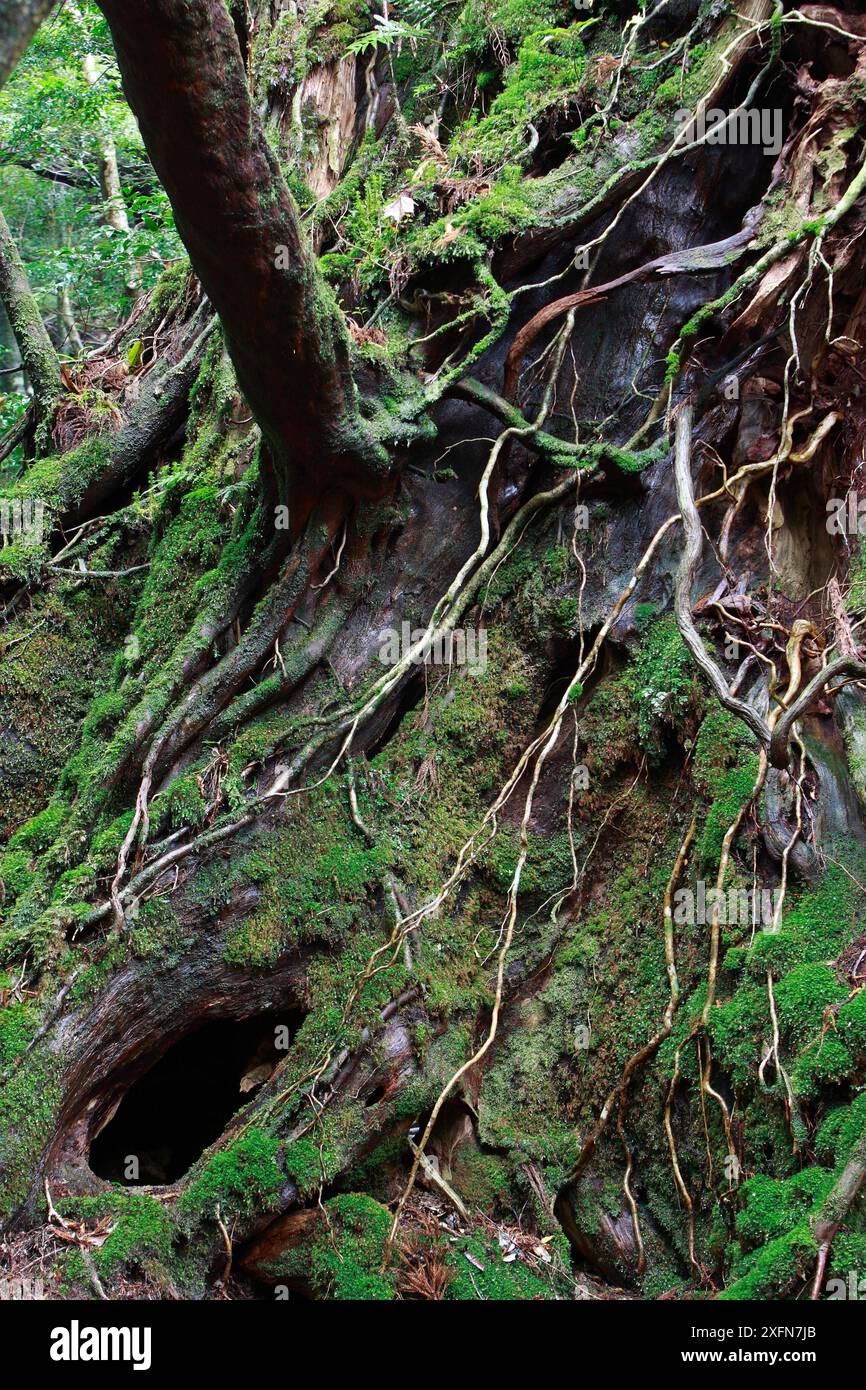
(650, 1048)
(675, 1164)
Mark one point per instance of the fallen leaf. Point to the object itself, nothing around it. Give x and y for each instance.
(402, 206)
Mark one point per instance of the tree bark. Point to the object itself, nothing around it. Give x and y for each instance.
(72, 338)
(37, 350)
(19, 20)
(241, 228)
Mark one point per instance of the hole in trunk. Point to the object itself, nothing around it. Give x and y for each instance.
(172, 1113)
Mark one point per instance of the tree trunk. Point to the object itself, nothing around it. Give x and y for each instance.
(37, 350)
(241, 228)
(486, 836)
(18, 24)
(114, 203)
(72, 342)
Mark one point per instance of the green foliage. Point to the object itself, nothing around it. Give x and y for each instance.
(53, 123)
(368, 237)
(241, 1178)
(664, 683)
(550, 66)
(346, 1260)
(388, 33)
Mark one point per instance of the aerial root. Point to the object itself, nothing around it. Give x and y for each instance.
(675, 1163)
(617, 1096)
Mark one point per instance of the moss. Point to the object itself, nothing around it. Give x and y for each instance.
(312, 878)
(802, 997)
(61, 480)
(190, 545)
(142, 1235)
(181, 804)
(847, 1257)
(776, 1268)
(242, 1178)
(827, 1064)
(549, 67)
(18, 1023)
(521, 1105)
(141, 1231)
(60, 655)
(851, 1024)
(664, 682)
(774, 1208)
(722, 743)
(156, 932)
(15, 873)
(739, 1028)
(483, 1180)
(731, 792)
(817, 926)
(505, 210)
(106, 843)
(841, 1130)
(306, 1164)
(168, 289)
(346, 1260)
(29, 1102)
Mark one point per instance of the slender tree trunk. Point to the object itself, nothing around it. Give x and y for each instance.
(72, 341)
(241, 228)
(37, 350)
(114, 204)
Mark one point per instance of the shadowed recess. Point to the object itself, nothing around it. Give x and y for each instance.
(172, 1113)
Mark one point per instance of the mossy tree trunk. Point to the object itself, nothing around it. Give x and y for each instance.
(488, 903)
(38, 356)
